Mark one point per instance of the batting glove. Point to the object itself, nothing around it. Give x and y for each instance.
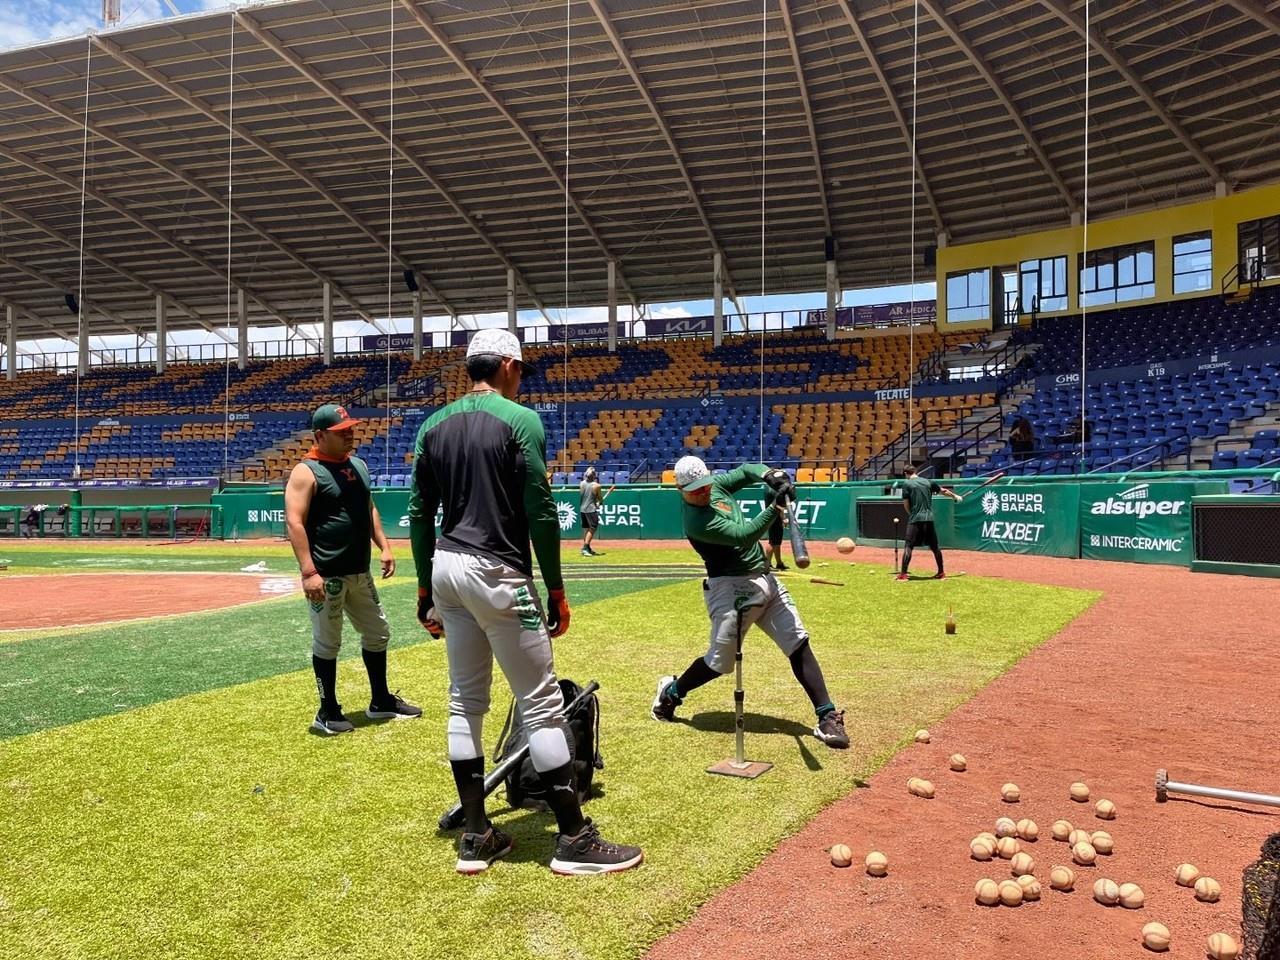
(427, 615)
(557, 613)
(779, 481)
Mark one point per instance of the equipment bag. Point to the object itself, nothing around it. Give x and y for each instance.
(523, 784)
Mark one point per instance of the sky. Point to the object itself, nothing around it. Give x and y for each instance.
(25, 22)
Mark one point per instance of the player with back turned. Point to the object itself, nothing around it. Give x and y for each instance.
(483, 460)
(917, 499)
(740, 591)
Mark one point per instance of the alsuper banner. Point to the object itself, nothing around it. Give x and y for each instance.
(1140, 522)
(1041, 519)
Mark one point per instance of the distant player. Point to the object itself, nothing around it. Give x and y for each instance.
(740, 591)
(917, 498)
(773, 552)
(330, 517)
(589, 502)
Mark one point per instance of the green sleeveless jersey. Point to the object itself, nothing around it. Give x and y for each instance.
(338, 524)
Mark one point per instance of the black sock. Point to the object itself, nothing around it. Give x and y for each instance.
(561, 789)
(375, 661)
(697, 675)
(326, 681)
(937, 558)
(468, 776)
(906, 558)
(805, 666)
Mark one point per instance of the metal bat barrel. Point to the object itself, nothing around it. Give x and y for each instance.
(451, 819)
(1165, 786)
(799, 549)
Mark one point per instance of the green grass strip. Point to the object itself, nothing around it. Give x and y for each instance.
(214, 826)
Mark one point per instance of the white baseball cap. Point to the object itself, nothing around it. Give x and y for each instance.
(498, 342)
(692, 474)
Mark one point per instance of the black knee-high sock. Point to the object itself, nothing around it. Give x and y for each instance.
(375, 661)
(326, 681)
(561, 788)
(468, 776)
(693, 678)
(805, 666)
(937, 558)
(906, 557)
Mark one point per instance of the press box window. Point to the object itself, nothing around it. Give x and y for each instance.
(1193, 262)
(969, 296)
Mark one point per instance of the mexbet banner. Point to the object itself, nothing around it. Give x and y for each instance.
(1039, 519)
(1140, 522)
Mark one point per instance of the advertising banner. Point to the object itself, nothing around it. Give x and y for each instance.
(1140, 522)
(1042, 519)
(677, 326)
(870, 314)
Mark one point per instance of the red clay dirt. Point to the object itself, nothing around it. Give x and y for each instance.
(1168, 669)
(83, 599)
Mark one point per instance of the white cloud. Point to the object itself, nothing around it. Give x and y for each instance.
(26, 22)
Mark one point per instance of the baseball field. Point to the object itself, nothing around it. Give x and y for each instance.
(161, 796)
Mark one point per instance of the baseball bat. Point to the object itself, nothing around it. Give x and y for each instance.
(451, 819)
(895, 544)
(990, 480)
(799, 549)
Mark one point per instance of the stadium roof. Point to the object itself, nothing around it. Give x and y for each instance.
(665, 134)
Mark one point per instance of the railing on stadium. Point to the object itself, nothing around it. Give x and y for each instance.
(65, 361)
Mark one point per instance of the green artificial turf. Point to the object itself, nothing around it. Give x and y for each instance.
(214, 825)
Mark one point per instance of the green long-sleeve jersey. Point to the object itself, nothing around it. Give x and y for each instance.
(483, 460)
(729, 544)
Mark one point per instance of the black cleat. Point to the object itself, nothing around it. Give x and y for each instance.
(476, 851)
(830, 730)
(780, 566)
(664, 704)
(395, 708)
(331, 722)
(589, 854)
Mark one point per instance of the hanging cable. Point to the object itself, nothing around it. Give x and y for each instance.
(911, 244)
(391, 230)
(764, 50)
(1084, 307)
(81, 346)
(226, 366)
(564, 329)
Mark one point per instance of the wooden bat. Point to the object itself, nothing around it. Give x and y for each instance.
(799, 549)
(829, 583)
(990, 480)
(605, 495)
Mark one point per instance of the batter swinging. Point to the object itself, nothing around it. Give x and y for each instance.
(740, 591)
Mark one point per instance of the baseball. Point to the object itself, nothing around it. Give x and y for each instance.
(1155, 936)
(1103, 843)
(1131, 896)
(1062, 829)
(1022, 864)
(1005, 827)
(924, 789)
(1084, 854)
(1187, 875)
(1030, 887)
(1104, 810)
(845, 545)
(1080, 792)
(913, 785)
(922, 736)
(987, 892)
(1223, 946)
(1079, 836)
(841, 855)
(1106, 892)
(1208, 890)
(1010, 893)
(877, 864)
(979, 849)
(1008, 848)
(1010, 793)
(958, 762)
(1062, 878)
(991, 838)
(1027, 830)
